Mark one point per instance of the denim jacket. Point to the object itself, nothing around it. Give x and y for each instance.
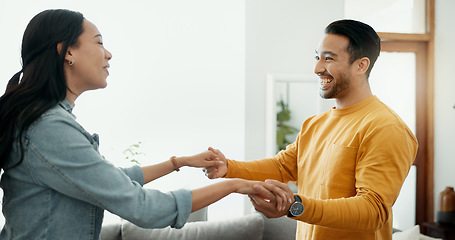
(63, 185)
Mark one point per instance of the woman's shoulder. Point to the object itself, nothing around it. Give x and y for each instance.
(55, 119)
(62, 109)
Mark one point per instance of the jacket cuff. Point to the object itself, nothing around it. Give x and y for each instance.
(184, 204)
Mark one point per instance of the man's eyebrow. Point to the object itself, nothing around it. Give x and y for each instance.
(327, 53)
(98, 35)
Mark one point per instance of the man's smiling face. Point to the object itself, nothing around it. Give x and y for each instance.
(333, 66)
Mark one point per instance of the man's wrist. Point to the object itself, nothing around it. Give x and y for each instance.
(296, 209)
(227, 169)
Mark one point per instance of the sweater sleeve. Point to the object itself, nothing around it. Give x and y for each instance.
(282, 167)
(382, 166)
(69, 163)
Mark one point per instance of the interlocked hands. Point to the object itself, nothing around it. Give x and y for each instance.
(272, 198)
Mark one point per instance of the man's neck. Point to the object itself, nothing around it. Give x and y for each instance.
(352, 99)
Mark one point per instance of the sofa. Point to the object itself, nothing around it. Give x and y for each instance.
(249, 227)
(253, 226)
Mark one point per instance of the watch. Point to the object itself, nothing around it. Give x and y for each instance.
(296, 208)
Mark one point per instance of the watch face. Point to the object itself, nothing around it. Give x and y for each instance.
(296, 209)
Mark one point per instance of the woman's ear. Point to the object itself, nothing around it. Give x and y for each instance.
(68, 55)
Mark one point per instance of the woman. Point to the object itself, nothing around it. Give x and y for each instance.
(56, 184)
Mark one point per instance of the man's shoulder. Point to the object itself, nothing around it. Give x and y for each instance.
(382, 114)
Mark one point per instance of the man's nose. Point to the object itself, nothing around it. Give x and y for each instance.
(319, 67)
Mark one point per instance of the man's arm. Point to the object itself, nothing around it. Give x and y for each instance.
(282, 167)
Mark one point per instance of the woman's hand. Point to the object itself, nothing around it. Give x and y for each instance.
(219, 170)
(270, 193)
(269, 208)
(206, 159)
(271, 197)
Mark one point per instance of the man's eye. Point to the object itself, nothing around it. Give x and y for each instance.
(316, 58)
(328, 58)
(100, 43)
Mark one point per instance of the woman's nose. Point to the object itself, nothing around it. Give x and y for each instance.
(108, 54)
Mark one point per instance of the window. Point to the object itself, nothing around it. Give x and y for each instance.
(409, 36)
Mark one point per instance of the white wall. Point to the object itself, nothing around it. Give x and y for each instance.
(281, 38)
(176, 80)
(444, 102)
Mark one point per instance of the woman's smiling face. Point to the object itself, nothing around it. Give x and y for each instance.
(90, 61)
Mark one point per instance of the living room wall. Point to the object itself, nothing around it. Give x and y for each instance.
(281, 38)
(176, 80)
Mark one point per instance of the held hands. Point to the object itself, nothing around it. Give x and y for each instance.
(272, 209)
(272, 198)
(219, 170)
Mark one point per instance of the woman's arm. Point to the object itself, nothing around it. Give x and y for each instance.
(205, 196)
(204, 159)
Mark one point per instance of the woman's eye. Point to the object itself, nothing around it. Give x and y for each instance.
(100, 43)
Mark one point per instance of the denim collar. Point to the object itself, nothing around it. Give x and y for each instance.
(67, 107)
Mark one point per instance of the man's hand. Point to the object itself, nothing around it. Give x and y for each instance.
(220, 169)
(271, 193)
(268, 207)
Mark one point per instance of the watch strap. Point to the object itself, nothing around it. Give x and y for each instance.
(297, 198)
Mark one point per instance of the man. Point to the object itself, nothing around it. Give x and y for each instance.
(349, 162)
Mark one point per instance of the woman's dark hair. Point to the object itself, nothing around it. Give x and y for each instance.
(363, 40)
(43, 84)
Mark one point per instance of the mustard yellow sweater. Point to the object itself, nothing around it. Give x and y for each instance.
(349, 164)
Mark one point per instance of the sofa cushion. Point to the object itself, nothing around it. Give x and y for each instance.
(282, 228)
(248, 227)
(111, 232)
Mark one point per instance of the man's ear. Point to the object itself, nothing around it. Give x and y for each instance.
(362, 64)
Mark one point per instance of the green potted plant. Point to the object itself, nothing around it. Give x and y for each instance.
(282, 128)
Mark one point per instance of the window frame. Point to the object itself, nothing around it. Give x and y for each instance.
(423, 46)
